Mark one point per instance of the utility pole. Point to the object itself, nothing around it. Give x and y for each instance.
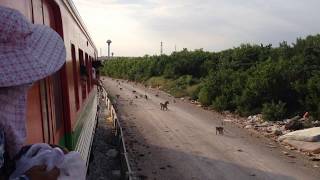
(101, 52)
(161, 48)
(175, 48)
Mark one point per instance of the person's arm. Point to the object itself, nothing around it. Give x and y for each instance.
(40, 173)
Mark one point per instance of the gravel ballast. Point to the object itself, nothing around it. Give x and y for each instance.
(104, 159)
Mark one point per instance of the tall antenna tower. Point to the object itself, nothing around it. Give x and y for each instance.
(161, 48)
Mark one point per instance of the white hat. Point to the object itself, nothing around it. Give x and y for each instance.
(28, 52)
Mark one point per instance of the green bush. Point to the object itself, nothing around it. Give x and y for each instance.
(313, 97)
(184, 81)
(205, 96)
(193, 91)
(274, 111)
(220, 103)
(243, 79)
(156, 81)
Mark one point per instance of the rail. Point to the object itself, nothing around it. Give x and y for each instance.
(126, 169)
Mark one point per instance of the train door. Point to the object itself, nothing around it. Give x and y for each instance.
(40, 121)
(54, 90)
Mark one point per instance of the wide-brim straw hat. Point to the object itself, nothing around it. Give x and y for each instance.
(28, 52)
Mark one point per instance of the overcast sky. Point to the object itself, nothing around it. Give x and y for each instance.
(137, 27)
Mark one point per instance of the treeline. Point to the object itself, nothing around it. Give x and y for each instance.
(277, 81)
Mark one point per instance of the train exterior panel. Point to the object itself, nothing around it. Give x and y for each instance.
(62, 108)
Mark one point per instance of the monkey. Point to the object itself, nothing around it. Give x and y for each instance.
(219, 130)
(145, 96)
(164, 106)
(118, 96)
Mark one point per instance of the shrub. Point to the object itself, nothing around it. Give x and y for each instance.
(220, 103)
(193, 91)
(205, 96)
(313, 97)
(156, 81)
(274, 111)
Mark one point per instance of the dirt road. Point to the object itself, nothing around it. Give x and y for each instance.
(181, 143)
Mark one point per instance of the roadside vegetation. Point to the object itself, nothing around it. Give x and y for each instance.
(278, 81)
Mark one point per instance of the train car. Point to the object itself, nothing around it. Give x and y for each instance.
(61, 109)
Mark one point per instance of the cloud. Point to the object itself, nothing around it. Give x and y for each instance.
(137, 26)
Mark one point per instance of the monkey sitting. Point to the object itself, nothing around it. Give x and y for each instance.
(219, 130)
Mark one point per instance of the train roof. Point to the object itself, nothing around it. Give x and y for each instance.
(76, 15)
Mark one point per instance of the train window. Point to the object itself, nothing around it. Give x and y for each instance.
(57, 95)
(44, 110)
(88, 72)
(93, 73)
(82, 75)
(75, 76)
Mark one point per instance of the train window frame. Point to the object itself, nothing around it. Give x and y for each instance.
(83, 83)
(87, 65)
(75, 77)
(91, 71)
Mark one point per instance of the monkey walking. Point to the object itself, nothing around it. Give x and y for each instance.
(164, 106)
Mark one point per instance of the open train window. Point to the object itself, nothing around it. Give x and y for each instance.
(57, 95)
(75, 76)
(93, 73)
(83, 75)
(88, 72)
